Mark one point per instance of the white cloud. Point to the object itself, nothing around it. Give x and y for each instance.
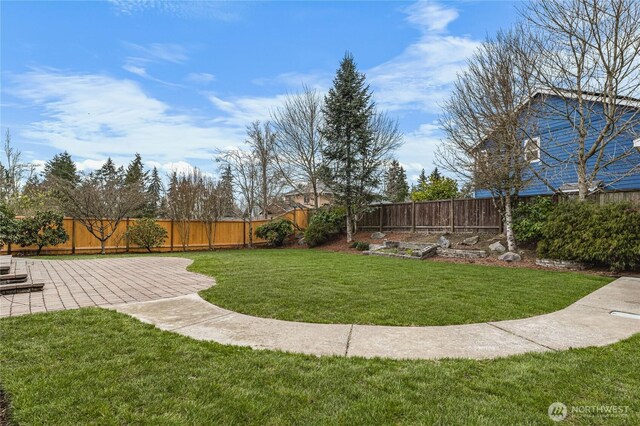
(181, 9)
(158, 52)
(200, 77)
(421, 76)
(142, 72)
(95, 116)
(89, 165)
(419, 147)
(429, 16)
(241, 111)
(318, 80)
(136, 70)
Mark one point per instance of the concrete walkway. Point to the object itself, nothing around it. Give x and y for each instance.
(72, 284)
(588, 322)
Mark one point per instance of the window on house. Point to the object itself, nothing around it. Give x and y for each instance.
(532, 150)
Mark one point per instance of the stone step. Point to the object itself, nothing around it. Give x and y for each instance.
(33, 282)
(25, 287)
(5, 263)
(17, 273)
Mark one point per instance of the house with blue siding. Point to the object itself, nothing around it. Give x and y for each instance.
(552, 141)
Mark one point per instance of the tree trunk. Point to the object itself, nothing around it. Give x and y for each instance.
(250, 232)
(349, 225)
(102, 247)
(508, 225)
(583, 187)
(314, 184)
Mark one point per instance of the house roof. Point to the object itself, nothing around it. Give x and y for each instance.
(308, 189)
(567, 93)
(587, 95)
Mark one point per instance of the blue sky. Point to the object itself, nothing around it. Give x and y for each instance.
(175, 81)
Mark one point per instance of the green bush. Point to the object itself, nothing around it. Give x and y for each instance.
(45, 228)
(607, 235)
(529, 218)
(325, 224)
(8, 226)
(362, 246)
(147, 233)
(275, 231)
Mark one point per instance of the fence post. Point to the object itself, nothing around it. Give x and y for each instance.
(211, 236)
(126, 236)
(413, 216)
(171, 239)
(73, 235)
(381, 217)
(451, 216)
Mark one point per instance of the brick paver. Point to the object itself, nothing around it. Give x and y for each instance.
(72, 284)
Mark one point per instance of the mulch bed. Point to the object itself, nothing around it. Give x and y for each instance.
(528, 255)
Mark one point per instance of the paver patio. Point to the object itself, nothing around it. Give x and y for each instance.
(72, 284)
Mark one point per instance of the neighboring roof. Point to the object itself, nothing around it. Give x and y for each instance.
(308, 189)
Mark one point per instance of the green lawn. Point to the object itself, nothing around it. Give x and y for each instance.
(325, 287)
(94, 366)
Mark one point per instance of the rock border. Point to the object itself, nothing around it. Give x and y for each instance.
(560, 264)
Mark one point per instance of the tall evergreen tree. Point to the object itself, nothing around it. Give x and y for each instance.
(348, 110)
(155, 195)
(396, 188)
(358, 141)
(226, 192)
(108, 172)
(422, 179)
(435, 175)
(61, 167)
(136, 175)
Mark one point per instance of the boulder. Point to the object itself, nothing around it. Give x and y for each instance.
(510, 257)
(471, 241)
(378, 235)
(497, 246)
(443, 242)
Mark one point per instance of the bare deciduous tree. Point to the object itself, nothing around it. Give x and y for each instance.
(100, 203)
(262, 139)
(13, 171)
(589, 57)
(298, 143)
(210, 207)
(245, 169)
(182, 198)
(486, 120)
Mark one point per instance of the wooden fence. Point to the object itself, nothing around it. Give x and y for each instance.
(461, 215)
(229, 233)
(464, 215)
